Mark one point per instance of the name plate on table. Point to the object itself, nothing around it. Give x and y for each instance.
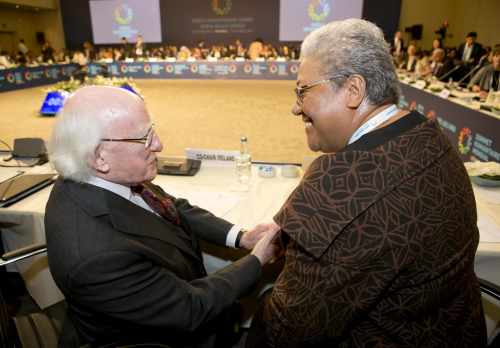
(217, 156)
(420, 84)
(445, 93)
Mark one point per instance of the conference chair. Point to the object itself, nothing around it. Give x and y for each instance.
(38, 329)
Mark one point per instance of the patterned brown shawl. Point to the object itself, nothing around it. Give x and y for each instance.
(380, 250)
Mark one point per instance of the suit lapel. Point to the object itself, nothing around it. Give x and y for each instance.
(129, 218)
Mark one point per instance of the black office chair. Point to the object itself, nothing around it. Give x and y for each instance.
(39, 329)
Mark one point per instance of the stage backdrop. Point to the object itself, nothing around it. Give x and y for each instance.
(217, 21)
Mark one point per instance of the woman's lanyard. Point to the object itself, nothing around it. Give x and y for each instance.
(373, 123)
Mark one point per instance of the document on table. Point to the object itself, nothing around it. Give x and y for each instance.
(488, 230)
(217, 203)
(489, 195)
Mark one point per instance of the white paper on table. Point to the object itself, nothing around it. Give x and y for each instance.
(217, 203)
(488, 195)
(489, 232)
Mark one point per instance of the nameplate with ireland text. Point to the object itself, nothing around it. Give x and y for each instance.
(220, 156)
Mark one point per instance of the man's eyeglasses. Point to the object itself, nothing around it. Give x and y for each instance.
(147, 140)
(300, 90)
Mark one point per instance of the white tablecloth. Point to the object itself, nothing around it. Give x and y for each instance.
(215, 188)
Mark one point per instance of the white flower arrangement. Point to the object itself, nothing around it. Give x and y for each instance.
(72, 85)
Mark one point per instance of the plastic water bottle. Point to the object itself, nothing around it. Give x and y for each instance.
(450, 84)
(490, 99)
(244, 163)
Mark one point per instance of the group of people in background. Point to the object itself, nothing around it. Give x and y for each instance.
(138, 50)
(470, 62)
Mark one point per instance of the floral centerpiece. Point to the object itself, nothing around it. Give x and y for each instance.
(72, 85)
(57, 93)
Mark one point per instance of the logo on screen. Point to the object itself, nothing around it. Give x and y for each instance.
(123, 14)
(11, 78)
(318, 10)
(221, 7)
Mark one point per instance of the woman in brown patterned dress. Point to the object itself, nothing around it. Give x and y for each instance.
(380, 235)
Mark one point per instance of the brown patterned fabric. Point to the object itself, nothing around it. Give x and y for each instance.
(380, 251)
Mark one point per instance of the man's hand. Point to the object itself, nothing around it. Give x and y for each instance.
(250, 238)
(266, 249)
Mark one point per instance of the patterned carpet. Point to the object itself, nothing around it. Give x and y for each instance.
(192, 113)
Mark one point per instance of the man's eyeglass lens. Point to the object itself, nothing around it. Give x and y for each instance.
(147, 140)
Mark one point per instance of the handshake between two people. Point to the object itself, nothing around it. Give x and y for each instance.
(263, 240)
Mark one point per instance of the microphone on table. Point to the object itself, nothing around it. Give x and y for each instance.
(448, 74)
(472, 71)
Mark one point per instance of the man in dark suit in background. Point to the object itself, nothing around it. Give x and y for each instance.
(470, 51)
(440, 65)
(125, 253)
(126, 48)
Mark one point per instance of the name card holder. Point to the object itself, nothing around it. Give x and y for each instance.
(216, 157)
(420, 84)
(445, 93)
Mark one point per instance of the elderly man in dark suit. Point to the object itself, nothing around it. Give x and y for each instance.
(380, 235)
(125, 253)
(440, 65)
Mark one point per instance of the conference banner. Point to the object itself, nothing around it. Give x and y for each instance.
(217, 21)
(18, 78)
(473, 133)
(248, 70)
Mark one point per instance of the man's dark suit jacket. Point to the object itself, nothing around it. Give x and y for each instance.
(477, 51)
(413, 65)
(444, 68)
(129, 275)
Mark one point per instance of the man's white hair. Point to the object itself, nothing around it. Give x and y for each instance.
(354, 46)
(80, 125)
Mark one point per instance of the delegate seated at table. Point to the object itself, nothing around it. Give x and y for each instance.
(126, 254)
(488, 77)
(380, 235)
